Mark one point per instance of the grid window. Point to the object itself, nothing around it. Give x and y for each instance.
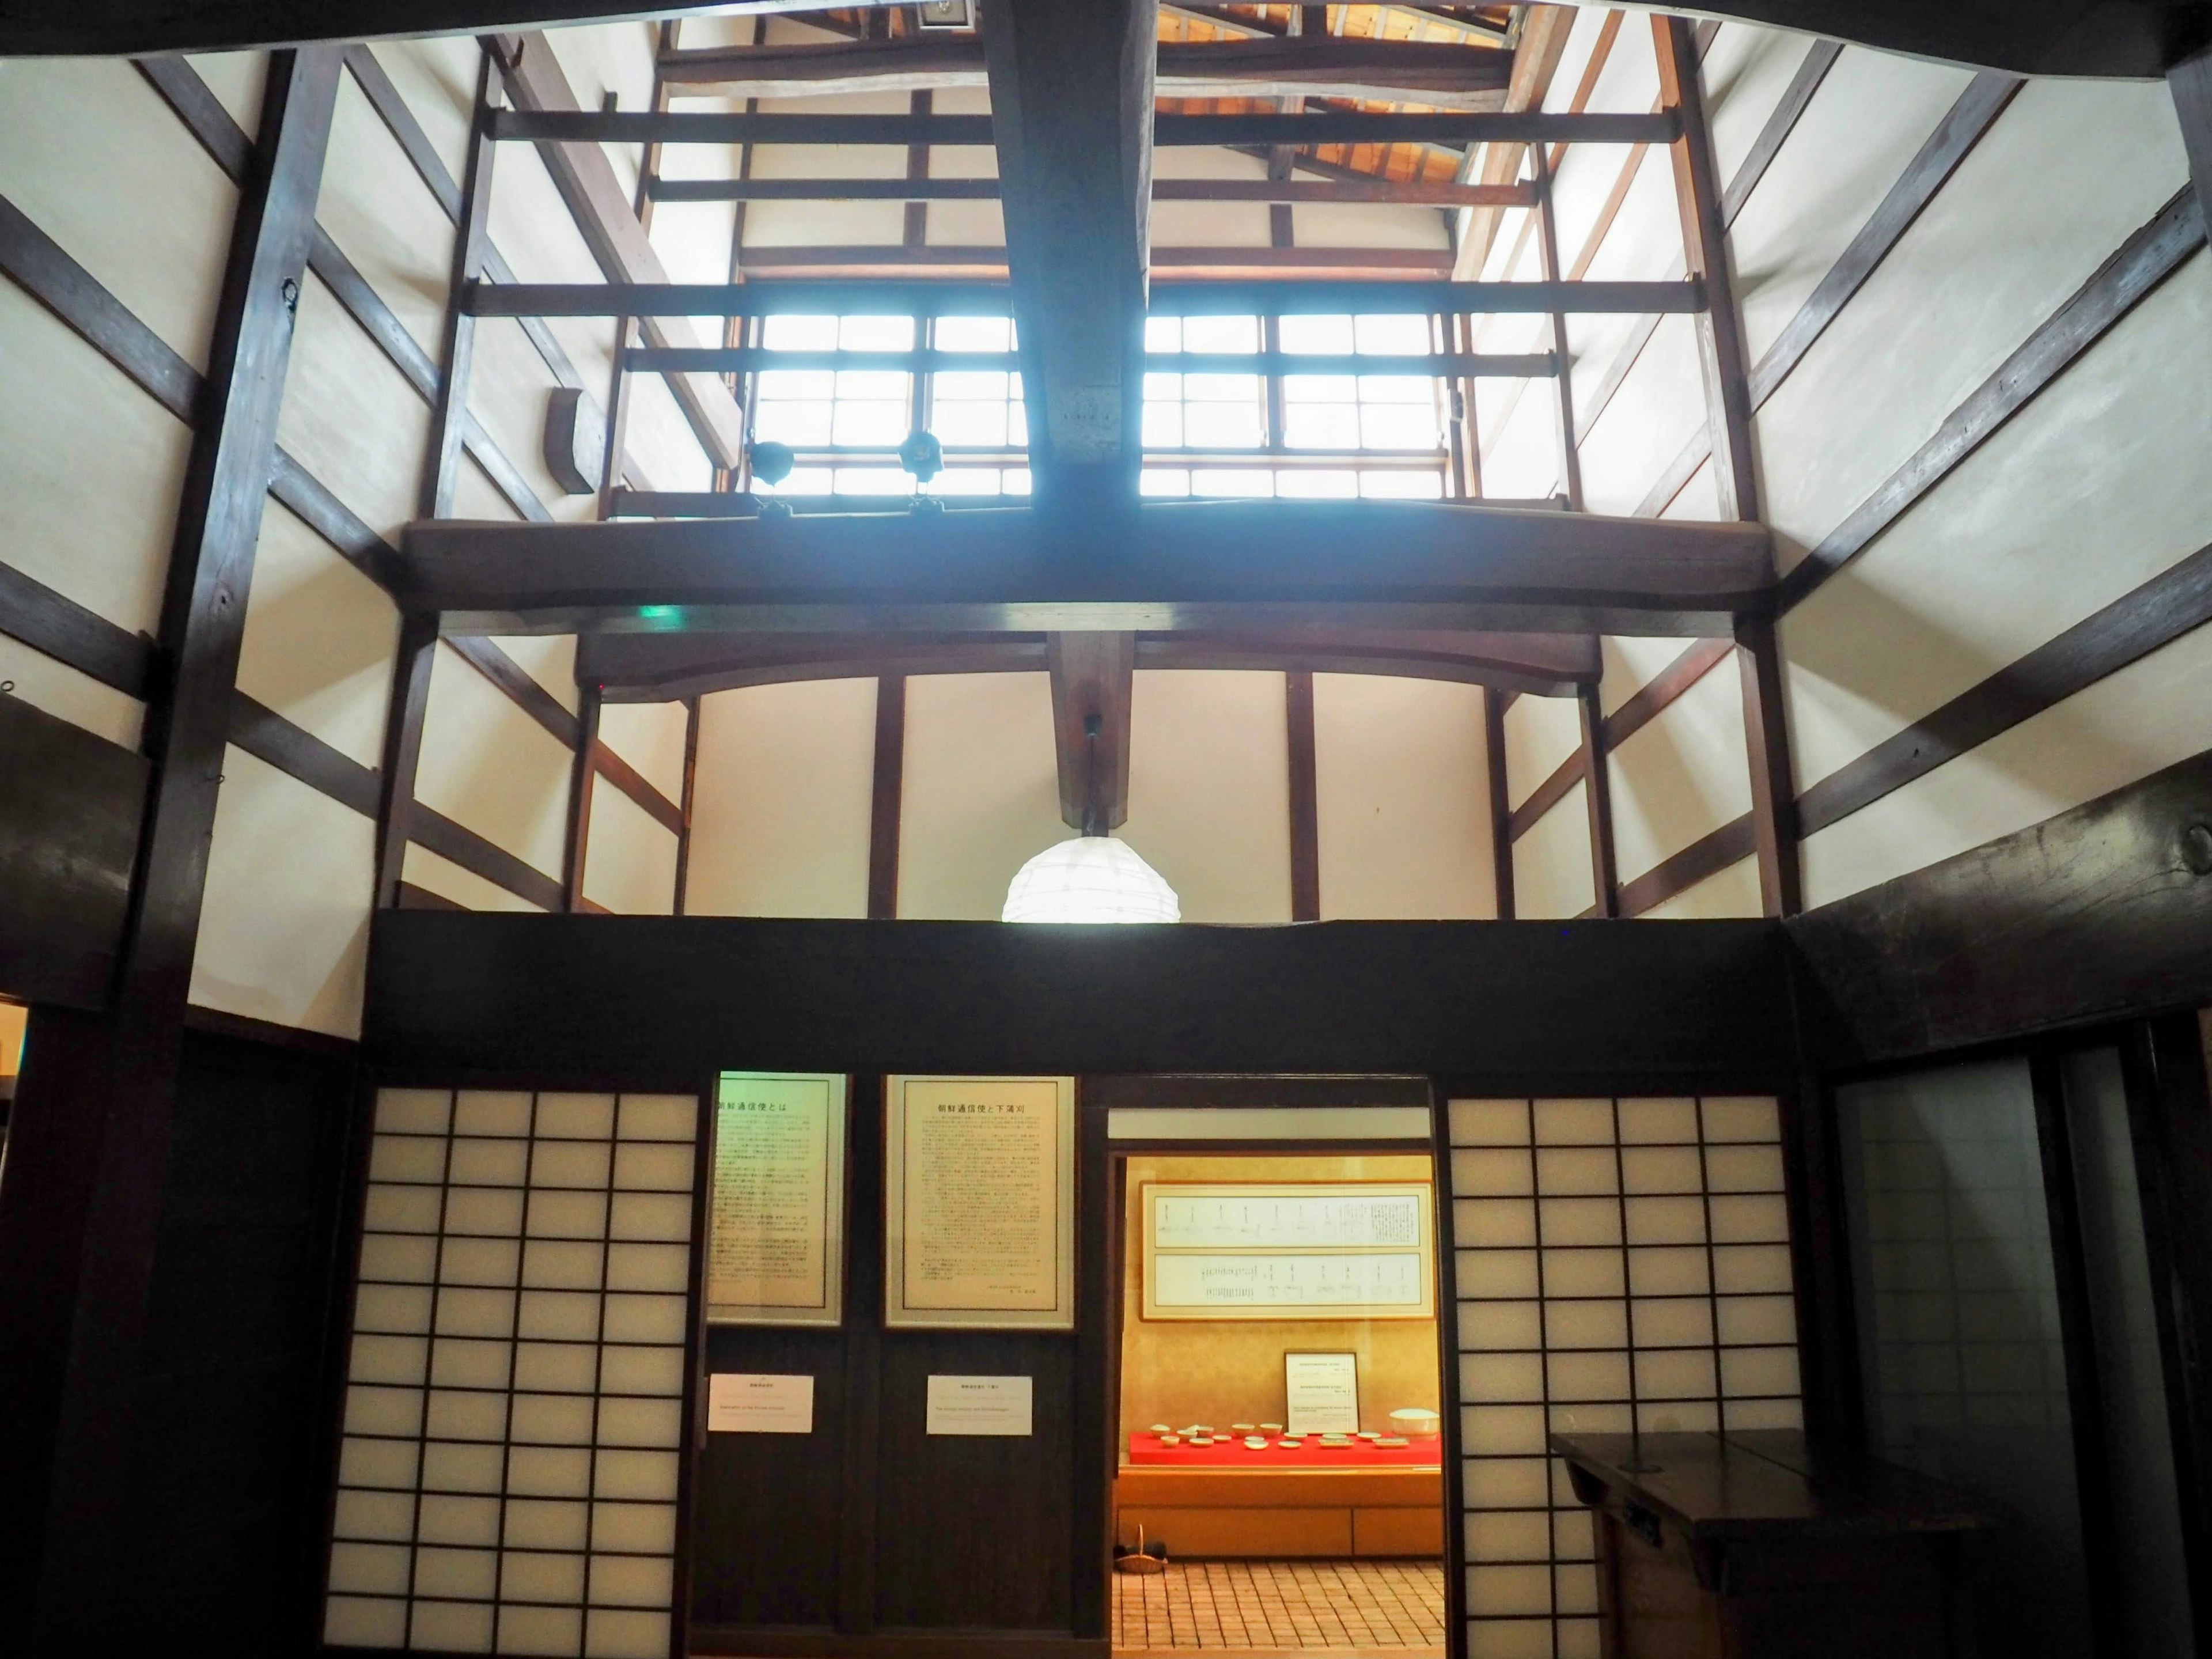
(508, 1479)
(1620, 1264)
(814, 409)
(977, 410)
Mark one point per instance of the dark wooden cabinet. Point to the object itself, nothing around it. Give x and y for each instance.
(1758, 1544)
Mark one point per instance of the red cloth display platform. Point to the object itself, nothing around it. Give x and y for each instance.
(1231, 1453)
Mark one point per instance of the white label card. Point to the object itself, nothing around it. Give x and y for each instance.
(1321, 1393)
(979, 1405)
(742, 1402)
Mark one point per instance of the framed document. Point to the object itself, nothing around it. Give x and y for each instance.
(980, 1202)
(1321, 1394)
(1289, 1250)
(775, 1214)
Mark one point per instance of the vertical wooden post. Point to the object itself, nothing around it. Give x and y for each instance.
(1563, 379)
(690, 791)
(1728, 414)
(618, 375)
(89, 1140)
(1501, 811)
(418, 635)
(1597, 799)
(583, 776)
(887, 799)
(1305, 810)
(2190, 84)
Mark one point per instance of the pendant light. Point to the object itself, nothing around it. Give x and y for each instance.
(1094, 876)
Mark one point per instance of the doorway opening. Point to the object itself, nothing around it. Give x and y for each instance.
(1277, 1382)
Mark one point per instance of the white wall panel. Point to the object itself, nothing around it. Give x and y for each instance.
(93, 156)
(1401, 776)
(487, 765)
(1552, 872)
(2067, 173)
(437, 77)
(349, 417)
(1745, 70)
(425, 869)
(548, 658)
(283, 929)
(1683, 775)
(780, 816)
(629, 862)
(319, 639)
(2149, 716)
(1631, 662)
(384, 219)
(650, 736)
(1209, 791)
(1660, 406)
(1540, 733)
(2092, 489)
(236, 79)
(1730, 892)
(981, 791)
(94, 470)
(65, 693)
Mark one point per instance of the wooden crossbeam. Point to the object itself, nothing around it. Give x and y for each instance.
(747, 359)
(1321, 66)
(574, 126)
(1181, 565)
(1401, 192)
(1287, 297)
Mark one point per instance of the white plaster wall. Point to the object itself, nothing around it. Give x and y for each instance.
(629, 861)
(423, 868)
(1401, 785)
(320, 638)
(1551, 870)
(981, 794)
(491, 768)
(1209, 791)
(1540, 733)
(1682, 776)
(780, 810)
(1725, 893)
(284, 926)
(650, 736)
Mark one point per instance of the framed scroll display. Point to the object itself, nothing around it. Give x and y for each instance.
(1300, 1250)
(775, 1213)
(980, 1203)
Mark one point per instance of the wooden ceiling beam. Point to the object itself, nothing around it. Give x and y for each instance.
(1324, 67)
(1178, 565)
(1355, 188)
(1093, 681)
(1071, 91)
(667, 667)
(1324, 126)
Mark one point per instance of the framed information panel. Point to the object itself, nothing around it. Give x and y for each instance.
(1292, 1251)
(775, 1212)
(980, 1203)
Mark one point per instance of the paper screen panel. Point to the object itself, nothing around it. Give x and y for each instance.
(507, 1478)
(1619, 1263)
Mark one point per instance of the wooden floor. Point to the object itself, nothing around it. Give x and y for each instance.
(1257, 1608)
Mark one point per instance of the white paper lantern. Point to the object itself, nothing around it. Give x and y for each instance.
(1089, 879)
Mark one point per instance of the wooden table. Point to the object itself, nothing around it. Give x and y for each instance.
(1758, 1544)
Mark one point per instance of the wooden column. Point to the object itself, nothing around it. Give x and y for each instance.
(1728, 413)
(583, 777)
(1305, 810)
(690, 792)
(2190, 81)
(1597, 800)
(887, 799)
(1501, 809)
(441, 470)
(89, 1140)
(1563, 379)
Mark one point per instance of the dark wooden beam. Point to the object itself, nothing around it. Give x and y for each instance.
(2133, 39)
(586, 180)
(749, 360)
(1547, 795)
(1093, 678)
(1305, 809)
(1597, 803)
(691, 796)
(886, 797)
(412, 666)
(458, 844)
(1656, 694)
(2146, 259)
(1402, 193)
(1710, 854)
(48, 620)
(1773, 781)
(1501, 811)
(584, 773)
(1329, 126)
(1283, 297)
(1071, 117)
(2173, 602)
(2190, 84)
(658, 667)
(103, 1087)
(1203, 564)
(2094, 913)
(1324, 67)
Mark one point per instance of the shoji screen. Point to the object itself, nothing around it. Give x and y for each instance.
(1619, 1263)
(513, 1415)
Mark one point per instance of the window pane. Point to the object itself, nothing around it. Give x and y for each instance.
(1317, 483)
(873, 481)
(1320, 389)
(966, 481)
(971, 423)
(1221, 426)
(876, 333)
(977, 384)
(974, 333)
(1221, 334)
(1320, 426)
(1397, 426)
(1231, 481)
(1162, 426)
(800, 423)
(1315, 333)
(1163, 334)
(1403, 486)
(1163, 481)
(1392, 334)
(799, 333)
(786, 384)
(874, 383)
(872, 422)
